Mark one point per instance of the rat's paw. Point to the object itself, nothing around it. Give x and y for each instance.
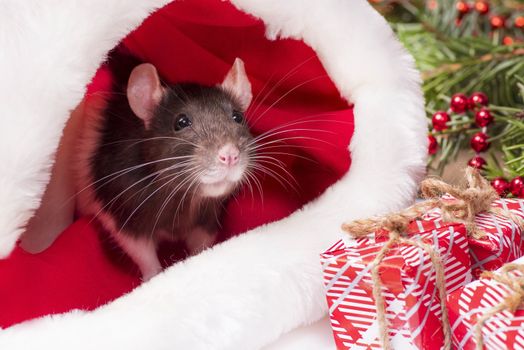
(150, 272)
(199, 240)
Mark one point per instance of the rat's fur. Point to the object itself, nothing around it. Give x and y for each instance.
(125, 143)
(146, 178)
(248, 291)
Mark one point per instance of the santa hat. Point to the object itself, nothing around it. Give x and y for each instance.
(333, 68)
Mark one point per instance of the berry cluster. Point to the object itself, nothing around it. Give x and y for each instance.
(477, 104)
(497, 22)
(503, 187)
(460, 104)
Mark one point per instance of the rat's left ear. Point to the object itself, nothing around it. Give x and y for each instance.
(238, 84)
(144, 91)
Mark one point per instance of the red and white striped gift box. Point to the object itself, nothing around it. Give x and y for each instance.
(502, 331)
(503, 242)
(408, 284)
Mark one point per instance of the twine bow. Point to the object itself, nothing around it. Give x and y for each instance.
(477, 197)
(396, 224)
(510, 303)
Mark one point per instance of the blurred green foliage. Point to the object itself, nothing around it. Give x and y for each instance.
(463, 53)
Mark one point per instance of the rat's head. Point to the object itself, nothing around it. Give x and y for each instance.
(203, 128)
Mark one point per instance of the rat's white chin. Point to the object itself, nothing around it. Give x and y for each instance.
(217, 189)
(220, 181)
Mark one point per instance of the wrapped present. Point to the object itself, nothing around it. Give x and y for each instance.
(489, 313)
(503, 241)
(500, 240)
(494, 225)
(390, 293)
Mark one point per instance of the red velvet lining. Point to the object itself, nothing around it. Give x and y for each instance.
(197, 40)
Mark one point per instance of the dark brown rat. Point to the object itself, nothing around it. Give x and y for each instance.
(161, 159)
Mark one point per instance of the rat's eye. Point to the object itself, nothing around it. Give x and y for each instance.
(238, 117)
(182, 121)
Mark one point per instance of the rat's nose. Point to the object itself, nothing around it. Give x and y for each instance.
(228, 155)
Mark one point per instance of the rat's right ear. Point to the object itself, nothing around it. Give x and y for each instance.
(144, 91)
(237, 83)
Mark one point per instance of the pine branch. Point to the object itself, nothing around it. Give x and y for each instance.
(463, 54)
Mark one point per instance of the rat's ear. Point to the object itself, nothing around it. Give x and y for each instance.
(238, 84)
(144, 91)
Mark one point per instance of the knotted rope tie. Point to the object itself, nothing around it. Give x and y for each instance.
(510, 303)
(396, 224)
(477, 197)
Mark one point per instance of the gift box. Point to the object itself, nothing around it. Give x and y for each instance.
(408, 285)
(468, 305)
(502, 241)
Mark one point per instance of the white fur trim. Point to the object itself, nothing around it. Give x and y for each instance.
(251, 289)
(316, 336)
(50, 51)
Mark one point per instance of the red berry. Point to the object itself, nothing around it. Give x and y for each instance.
(478, 99)
(497, 22)
(483, 118)
(439, 120)
(432, 145)
(500, 185)
(507, 40)
(459, 103)
(519, 22)
(479, 142)
(516, 187)
(477, 162)
(462, 7)
(482, 7)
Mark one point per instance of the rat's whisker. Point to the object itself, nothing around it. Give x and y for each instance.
(287, 138)
(280, 81)
(280, 132)
(286, 154)
(246, 181)
(194, 178)
(284, 146)
(304, 120)
(132, 168)
(255, 102)
(113, 176)
(263, 157)
(257, 183)
(282, 140)
(275, 175)
(155, 176)
(116, 176)
(287, 93)
(137, 141)
(113, 200)
(280, 165)
(143, 202)
(169, 197)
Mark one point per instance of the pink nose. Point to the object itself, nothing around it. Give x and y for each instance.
(228, 155)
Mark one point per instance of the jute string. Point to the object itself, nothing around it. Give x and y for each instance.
(396, 224)
(510, 303)
(477, 197)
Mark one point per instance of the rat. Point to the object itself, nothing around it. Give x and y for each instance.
(159, 161)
